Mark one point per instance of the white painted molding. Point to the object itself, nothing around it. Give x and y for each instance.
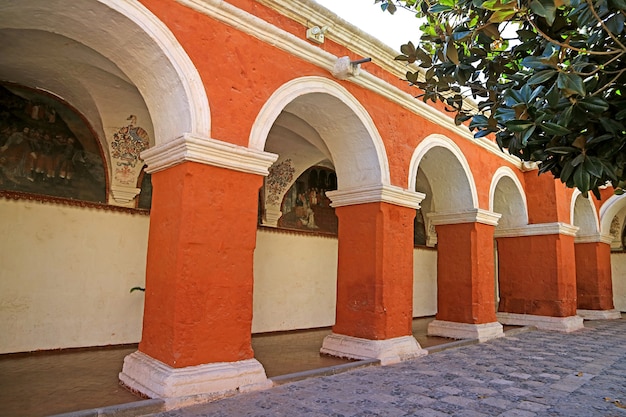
(298, 47)
(154, 379)
(124, 195)
(594, 238)
(376, 194)
(559, 324)
(599, 314)
(538, 229)
(207, 151)
(470, 216)
(388, 351)
(438, 140)
(190, 80)
(506, 172)
(271, 216)
(301, 86)
(454, 330)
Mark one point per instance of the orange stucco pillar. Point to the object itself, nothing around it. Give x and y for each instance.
(537, 275)
(198, 299)
(465, 273)
(593, 276)
(375, 271)
(374, 310)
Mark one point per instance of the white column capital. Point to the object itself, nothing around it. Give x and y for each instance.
(205, 150)
(376, 194)
(470, 216)
(556, 228)
(594, 238)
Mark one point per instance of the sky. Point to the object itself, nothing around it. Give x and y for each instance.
(393, 30)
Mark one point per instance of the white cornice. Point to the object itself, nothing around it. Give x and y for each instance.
(376, 194)
(207, 151)
(538, 229)
(594, 238)
(350, 37)
(469, 216)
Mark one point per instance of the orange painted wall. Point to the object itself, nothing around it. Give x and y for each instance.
(198, 299)
(593, 276)
(548, 200)
(537, 275)
(466, 273)
(240, 73)
(375, 271)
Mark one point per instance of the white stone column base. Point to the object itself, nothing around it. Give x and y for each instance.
(454, 330)
(599, 314)
(559, 324)
(193, 384)
(388, 351)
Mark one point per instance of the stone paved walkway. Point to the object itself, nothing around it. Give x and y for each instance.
(534, 373)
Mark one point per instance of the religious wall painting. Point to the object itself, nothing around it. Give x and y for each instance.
(279, 177)
(46, 147)
(127, 144)
(305, 205)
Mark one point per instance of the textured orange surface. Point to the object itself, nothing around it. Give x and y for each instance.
(465, 273)
(593, 276)
(375, 274)
(537, 275)
(198, 306)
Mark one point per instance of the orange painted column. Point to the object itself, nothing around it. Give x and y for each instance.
(375, 271)
(199, 278)
(593, 276)
(465, 273)
(537, 275)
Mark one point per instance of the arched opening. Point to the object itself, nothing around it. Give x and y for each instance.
(612, 223)
(442, 174)
(507, 198)
(113, 78)
(324, 141)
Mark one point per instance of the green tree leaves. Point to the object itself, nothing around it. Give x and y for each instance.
(547, 78)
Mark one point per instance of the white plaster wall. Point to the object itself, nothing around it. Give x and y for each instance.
(618, 271)
(65, 276)
(424, 282)
(295, 281)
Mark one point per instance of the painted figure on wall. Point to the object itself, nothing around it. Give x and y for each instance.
(305, 205)
(40, 154)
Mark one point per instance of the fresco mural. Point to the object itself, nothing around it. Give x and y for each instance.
(305, 205)
(46, 148)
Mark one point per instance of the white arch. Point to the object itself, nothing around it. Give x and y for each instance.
(370, 149)
(438, 140)
(520, 211)
(610, 209)
(188, 76)
(135, 43)
(586, 216)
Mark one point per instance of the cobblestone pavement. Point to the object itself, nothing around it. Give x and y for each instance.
(535, 373)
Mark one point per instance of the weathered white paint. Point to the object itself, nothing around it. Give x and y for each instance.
(507, 197)
(295, 281)
(424, 282)
(65, 276)
(618, 271)
(347, 130)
